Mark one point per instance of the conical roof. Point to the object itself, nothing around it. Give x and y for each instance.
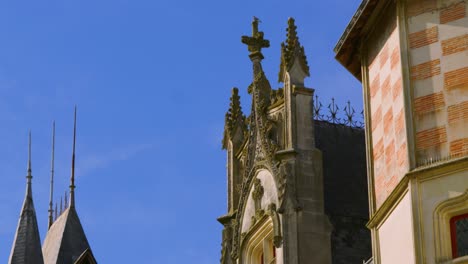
(65, 241)
(27, 244)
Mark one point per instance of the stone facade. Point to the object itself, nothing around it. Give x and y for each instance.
(416, 140)
(288, 201)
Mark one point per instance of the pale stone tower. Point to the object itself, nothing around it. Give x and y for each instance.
(412, 59)
(276, 207)
(27, 244)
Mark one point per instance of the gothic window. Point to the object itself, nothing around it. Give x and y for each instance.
(259, 247)
(451, 229)
(267, 252)
(459, 235)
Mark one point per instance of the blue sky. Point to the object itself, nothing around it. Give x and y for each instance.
(152, 81)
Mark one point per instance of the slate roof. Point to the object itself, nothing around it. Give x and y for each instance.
(27, 244)
(65, 241)
(345, 190)
(86, 258)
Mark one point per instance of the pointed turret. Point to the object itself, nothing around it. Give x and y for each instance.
(293, 58)
(66, 240)
(293, 70)
(27, 244)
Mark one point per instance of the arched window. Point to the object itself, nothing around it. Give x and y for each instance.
(259, 247)
(451, 230)
(459, 235)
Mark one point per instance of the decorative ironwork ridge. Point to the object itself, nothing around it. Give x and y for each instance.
(333, 115)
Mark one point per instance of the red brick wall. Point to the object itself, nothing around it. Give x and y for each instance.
(453, 12)
(458, 114)
(417, 7)
(459, 147)
(433, 137)
(425, 70)
(456, 79)
(454, 45)
(424, 37)
(429, 103)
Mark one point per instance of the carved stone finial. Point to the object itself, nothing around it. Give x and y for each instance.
(235, 109)
(291, 50)
(256, 42)
(234, 117)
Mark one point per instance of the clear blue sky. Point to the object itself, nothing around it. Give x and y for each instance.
(152, 81)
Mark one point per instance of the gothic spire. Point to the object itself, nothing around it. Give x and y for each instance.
(234, 117)
(72, 179)
(51, 196)
(292, 51)
(27, 243)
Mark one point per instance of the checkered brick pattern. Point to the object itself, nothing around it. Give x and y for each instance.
(389, 142)
(438, 40)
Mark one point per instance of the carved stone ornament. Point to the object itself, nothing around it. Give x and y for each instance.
(235, 119)
(260, 151)
(291, 50)
(277, 235)
(257, 193)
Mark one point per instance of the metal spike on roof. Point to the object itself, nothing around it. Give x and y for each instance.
(27, 242)
(61, 205)
(56, 212)
(66, 200)
(72, 178)
(51, 197)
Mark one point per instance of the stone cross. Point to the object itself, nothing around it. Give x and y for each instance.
(256, 42)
